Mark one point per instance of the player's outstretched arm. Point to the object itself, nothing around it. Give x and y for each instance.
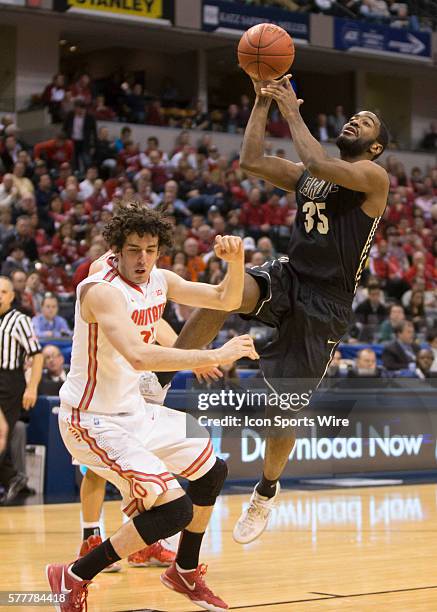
(126, 338)
(225, 296)
(281, 172)
(363, 175)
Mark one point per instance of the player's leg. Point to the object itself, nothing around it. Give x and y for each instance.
(92, 496)
(162, 508)
(193, 458)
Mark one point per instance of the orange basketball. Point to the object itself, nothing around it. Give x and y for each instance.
(265, 51)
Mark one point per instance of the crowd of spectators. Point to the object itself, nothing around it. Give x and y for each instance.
(78, 105)
(409, 14)
(56, 197)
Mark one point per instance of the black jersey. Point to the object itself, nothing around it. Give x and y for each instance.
(331, 235)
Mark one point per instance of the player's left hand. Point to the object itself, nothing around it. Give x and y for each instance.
(29, 398)
(283, 92)
(229, 248)
(208, 374)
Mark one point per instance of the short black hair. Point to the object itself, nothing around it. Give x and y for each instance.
(383, 137)
(399, 328)
(134, 217)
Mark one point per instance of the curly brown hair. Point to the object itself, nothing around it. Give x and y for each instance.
(133, 217)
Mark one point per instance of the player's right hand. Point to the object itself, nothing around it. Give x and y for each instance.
(238, 347)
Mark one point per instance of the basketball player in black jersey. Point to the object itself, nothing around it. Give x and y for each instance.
(306, 296)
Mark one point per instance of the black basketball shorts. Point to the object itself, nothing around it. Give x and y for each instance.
(309, 324)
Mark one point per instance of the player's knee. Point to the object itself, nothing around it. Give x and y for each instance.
(165, 520)
(205, 490)
(94, 478)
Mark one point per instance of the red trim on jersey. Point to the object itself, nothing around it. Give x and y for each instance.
(90, 386)
(132, 476)
(109, 276)
(201, 460)
(140, 506)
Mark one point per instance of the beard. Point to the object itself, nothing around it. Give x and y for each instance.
(353, 148)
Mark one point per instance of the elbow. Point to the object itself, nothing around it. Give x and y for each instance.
(137, 363)
(231, 304)
(247, 165)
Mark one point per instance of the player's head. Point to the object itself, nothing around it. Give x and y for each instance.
(6, 294)
(364, 135)
(137, 234)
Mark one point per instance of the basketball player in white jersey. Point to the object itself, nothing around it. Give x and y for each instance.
(93, 486)
(106, 424)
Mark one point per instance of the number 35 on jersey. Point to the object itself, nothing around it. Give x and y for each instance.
(314, 217)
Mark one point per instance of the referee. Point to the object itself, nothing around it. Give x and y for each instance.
(17, 341)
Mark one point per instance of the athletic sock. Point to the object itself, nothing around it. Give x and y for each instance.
(266, 487)
(95, 561)
(90, 530)
(187, 557)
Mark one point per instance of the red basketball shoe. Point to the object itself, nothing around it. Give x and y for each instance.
(152, 556)
(92, 542)
(192, 585)
(73, 590)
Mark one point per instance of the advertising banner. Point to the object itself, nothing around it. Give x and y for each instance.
(381, 39)
(157, 10)
(354, 427)
(225, 16)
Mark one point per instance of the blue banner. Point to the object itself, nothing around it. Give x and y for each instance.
(373, 37)
(217, 15)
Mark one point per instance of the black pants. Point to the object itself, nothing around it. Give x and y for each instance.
(12, 386)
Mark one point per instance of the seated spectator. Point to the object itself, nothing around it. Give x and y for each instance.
(232, 120)
(396, 315)
(49, 324)
(81, 90)
(9, 150)
(34, 291)
(95, 251)
(21, 182)
(415, 310)
(333, 370)
(372, 311)
(200, 119)
(400, 354)
(265, 246)
(425, 359)
(87, 185)
(213, 273)
(252, 214)
(22, 233)
(55, 151)
(195, 263)
(135, 104)
(16, 260)
(54, 373)
(366, 366)
(8, 192)
(102, 112)
(21, 302)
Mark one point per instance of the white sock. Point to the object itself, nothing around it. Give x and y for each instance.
(181, 570)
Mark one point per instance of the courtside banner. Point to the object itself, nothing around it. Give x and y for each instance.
(343, 427)
(157, 11)
(381, 40)
(226, 17)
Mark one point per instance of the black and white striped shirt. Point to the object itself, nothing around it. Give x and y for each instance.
(17, 340)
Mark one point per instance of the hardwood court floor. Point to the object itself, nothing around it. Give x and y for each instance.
(353, 550)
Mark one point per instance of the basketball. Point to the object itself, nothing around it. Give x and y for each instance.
(265, 51)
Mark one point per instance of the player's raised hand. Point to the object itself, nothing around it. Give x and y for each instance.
(283, 92)
(238, 347)
(229, 248)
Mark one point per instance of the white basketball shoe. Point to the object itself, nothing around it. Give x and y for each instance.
(254, 519)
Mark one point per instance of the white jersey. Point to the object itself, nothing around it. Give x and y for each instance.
(100, 379)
